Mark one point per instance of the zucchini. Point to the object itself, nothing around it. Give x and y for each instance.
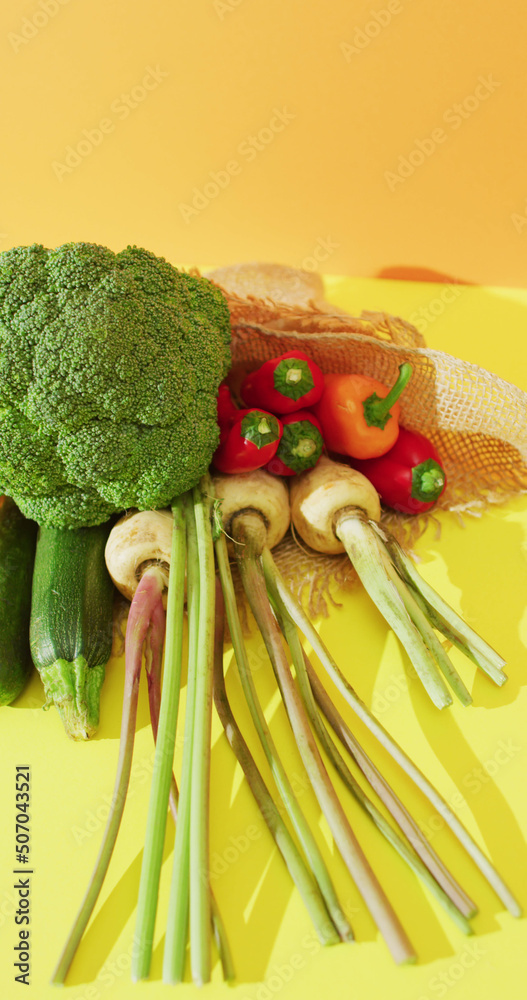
(17, 554)
(71, 623)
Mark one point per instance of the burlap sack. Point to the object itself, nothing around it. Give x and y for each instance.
(477, 420)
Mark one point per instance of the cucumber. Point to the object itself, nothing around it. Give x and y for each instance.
(18, 536)
(72, 622)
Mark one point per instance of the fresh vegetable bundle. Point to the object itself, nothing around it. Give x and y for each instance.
(107, 443)
(305, 412)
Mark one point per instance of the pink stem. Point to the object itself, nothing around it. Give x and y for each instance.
(154, 653)
(142, 610)
(154, 660)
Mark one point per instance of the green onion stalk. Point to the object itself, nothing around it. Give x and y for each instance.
(144, 632)
(439, 613)
(190, 904)
(302, 621)
(446, 890)
(250, 533)
(334, 508)
(164, 712)
(165, 730)
(392, 802)
(314, 882)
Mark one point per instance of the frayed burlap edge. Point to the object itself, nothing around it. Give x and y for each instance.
(477, 421)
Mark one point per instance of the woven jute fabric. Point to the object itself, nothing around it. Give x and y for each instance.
(477, 420)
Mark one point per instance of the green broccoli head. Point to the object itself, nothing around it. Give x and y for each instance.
(109, 370)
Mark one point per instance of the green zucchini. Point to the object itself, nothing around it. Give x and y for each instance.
(72, 622)
(17, 554)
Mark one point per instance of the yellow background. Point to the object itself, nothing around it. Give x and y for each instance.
(221, 75)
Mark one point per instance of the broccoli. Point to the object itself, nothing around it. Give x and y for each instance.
(109, 369)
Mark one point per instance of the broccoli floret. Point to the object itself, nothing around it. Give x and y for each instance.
(109, 370)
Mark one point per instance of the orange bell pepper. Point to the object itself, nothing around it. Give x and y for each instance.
(359, 416)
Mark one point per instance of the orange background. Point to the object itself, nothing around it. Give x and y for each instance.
(362, 83)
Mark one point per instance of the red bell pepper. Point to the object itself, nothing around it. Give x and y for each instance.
(287, 383)
(410, 476)
(227, 409)
(249, 443)
(359, 415)
(300, 446)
